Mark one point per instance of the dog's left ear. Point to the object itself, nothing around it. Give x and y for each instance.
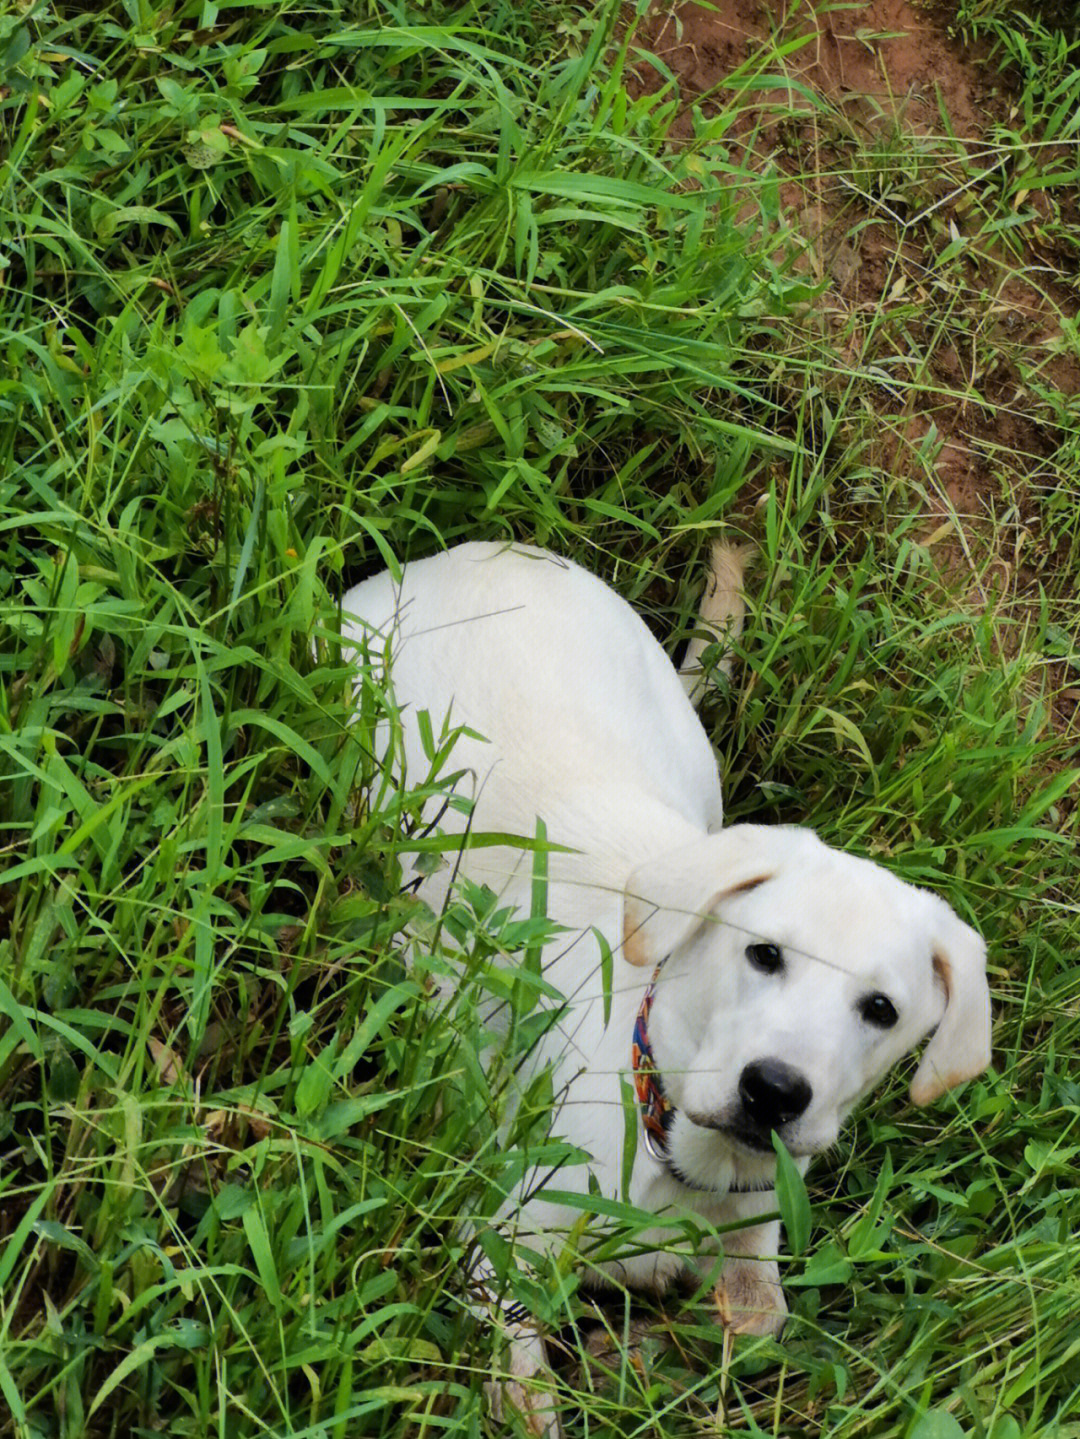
(668, 899)
(959, 1048)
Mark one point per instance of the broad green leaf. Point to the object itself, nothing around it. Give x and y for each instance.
(792, 1199)
(936, 1424)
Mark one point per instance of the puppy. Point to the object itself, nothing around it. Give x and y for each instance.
(763, 982)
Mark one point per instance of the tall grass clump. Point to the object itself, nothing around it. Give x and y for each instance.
(292, 292)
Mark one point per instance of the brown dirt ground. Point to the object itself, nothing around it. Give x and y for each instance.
(969, 354)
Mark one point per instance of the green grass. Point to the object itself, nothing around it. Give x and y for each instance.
(287, 292)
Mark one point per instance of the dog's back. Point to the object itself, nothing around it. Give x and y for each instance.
(556, 672)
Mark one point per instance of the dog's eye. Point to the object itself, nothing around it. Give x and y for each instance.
(878, 1010)
(765, 957)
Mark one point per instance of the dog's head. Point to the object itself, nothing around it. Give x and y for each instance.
(796, 976)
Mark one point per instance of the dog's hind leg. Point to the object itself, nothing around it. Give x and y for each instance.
(720, 618)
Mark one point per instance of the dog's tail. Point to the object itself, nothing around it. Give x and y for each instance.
(720, 619)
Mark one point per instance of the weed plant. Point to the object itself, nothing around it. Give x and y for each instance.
(291, 292)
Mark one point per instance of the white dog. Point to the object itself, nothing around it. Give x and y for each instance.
(763, 981)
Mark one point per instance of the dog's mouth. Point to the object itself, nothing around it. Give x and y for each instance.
(759, 1142)
(752, 1139)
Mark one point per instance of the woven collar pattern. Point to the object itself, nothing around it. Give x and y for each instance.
(657, 1110)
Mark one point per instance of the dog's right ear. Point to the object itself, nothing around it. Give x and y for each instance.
(668, 899)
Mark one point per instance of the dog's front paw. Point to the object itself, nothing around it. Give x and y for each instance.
(749, 1298)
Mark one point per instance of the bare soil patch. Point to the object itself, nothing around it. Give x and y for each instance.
(886, 136)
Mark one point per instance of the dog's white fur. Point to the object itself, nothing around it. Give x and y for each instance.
(587, 726)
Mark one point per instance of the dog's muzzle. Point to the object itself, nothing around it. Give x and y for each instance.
(771, 1095)
(658, 1114)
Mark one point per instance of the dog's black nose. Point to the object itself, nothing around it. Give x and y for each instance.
(773, 1093)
